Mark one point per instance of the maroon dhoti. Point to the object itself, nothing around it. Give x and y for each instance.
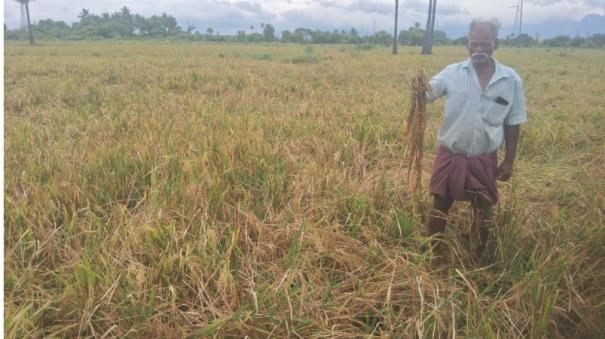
(458, 176)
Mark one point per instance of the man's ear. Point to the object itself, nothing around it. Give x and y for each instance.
(496, 43)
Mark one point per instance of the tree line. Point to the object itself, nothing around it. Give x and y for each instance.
(123, 24)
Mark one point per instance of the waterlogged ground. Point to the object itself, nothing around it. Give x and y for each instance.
(172, 190)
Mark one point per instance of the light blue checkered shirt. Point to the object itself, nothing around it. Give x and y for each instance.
(474, 121)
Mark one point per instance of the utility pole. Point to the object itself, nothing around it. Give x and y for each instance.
(395, 43)
(29, 26)
(520, 22)
(25, 5)
(373, 26)
(516, 24)
(23, 24)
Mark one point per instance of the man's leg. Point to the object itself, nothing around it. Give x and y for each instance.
(481, 220)
(438, 215)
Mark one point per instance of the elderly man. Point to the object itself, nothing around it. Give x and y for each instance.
(484, 106)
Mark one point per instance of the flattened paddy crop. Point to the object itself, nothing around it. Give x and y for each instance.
(193, 190)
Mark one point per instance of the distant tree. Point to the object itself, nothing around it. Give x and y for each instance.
(301, 35)
(559, 41)
(354, 37)
(29, 26)
(322, 37)
(460, 41)
(163, 25)
(170, 22)
(125, 11)
(120, 24)
(578, 42)
(124, 24)
(255, 37)
(440, 38)
(412, 37)
(89, 25)
(125, 21)
(381, 38)
(52, 29)
(268, 32)
(286, 36)
(596, 40)
(241, 36)
(139, 24)
(524, 40)
(84, 13)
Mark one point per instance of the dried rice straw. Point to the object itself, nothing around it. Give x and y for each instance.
(415, 126)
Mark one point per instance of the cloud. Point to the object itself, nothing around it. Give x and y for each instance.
(546, 2)
(596, 3)
(364, 6)
(253, 7)
(449, 9)
(328, 3)
(301, 18)
(336, 18)
(417, 5)
(371, 7)
(591, 3)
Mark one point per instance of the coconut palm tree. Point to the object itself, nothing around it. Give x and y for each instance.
(395, 31)
(427, 44)
(29, 27)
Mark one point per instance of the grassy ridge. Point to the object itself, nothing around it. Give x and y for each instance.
(195, 190)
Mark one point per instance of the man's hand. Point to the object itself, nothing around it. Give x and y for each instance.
(505, 170)
(511, 136)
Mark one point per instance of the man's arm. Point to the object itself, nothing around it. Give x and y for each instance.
(516, 116)
(511, 138)
(438, 86)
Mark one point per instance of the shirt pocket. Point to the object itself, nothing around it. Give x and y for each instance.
(497, 112)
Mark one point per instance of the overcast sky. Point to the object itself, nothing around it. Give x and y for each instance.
(229, 16)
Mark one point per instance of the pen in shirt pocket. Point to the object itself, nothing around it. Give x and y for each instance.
(501, 101)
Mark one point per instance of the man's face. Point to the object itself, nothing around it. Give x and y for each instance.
(481, 44)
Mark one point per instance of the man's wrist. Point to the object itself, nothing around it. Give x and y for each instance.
(509, 160)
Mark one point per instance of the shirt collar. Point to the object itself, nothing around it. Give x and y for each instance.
(499, 72)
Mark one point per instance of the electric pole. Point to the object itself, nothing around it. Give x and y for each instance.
(520, 23)
(516, 24)
(395, 43)
(29, 26)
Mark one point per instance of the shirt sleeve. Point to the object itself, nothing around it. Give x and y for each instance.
(438, 85)
(517, 114)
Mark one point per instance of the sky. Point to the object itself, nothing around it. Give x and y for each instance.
(549, 17)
